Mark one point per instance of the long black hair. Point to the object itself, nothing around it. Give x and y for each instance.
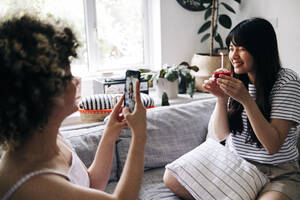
(258, 37)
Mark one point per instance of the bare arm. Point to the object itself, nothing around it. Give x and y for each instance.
(99, 171)
(220, 123)
(130, 181)
(270, 134)
(220, 118)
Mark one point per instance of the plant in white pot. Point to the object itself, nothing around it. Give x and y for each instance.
(167, 79)
(213, 20)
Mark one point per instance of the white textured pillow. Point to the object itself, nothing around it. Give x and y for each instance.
(211, 171)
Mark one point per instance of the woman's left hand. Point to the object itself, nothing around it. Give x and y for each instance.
(116, 122)
(234, 88)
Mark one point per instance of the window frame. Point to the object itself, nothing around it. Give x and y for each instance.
(90, 17)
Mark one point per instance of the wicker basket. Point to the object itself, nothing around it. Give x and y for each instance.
(88, 116)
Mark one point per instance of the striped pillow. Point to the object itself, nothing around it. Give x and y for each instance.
(107, 101)
(211, 171)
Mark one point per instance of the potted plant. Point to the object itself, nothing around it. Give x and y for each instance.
(213, 20)
(167, 79)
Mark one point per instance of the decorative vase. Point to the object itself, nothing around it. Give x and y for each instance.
(207, 65)
(163, 85)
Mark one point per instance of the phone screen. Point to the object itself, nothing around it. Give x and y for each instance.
(131, 78)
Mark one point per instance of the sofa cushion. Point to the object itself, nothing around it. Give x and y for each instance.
(217, 173)
(84, 139)
(152, 186)
(171, 132)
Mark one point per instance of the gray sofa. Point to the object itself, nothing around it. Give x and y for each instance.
(172, 131)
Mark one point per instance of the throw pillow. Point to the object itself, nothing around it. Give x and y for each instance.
(107, 101)
(171, 132)
(211, 171)
(97, 107)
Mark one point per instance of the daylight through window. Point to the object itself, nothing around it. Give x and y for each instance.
(111, 32)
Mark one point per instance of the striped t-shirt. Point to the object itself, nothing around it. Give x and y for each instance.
(285, 104)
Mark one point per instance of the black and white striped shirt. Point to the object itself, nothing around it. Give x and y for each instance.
(285, 104)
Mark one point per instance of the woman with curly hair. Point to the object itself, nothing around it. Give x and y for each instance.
(38, 92)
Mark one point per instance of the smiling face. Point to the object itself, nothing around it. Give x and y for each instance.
(241, 60)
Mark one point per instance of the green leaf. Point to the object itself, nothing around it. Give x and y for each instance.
(191, 88)
(204, 27)
(162, 73)
(239, 1)
(205, 37)
(228, 7)
(225, 21)
(207, 14)
(194, 67)
(184, 63)
(171, 75)
(185, 72)
(219, 40)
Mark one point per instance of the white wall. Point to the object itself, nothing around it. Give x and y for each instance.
(179, 38)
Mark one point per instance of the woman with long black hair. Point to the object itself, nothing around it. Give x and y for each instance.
(257, 109)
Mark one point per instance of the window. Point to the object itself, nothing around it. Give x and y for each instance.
(113, 33)
(120, 32)
(53, 8)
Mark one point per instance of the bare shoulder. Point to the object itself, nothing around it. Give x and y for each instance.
(51, 186)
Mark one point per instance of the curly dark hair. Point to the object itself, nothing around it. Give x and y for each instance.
(34, 57)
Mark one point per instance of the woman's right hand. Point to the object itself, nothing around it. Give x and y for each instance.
(212, 87)
(136, 120)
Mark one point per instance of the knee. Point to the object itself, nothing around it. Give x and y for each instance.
(173, 184)
(273, 195)
(170, 181)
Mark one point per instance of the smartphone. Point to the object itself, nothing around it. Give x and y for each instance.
(130, 80)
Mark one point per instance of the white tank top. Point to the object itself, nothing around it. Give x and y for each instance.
(77, 174)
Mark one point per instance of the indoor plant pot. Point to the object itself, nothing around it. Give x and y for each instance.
(163, 85)
(176, 76)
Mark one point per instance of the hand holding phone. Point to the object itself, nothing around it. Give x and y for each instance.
(130, 81)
